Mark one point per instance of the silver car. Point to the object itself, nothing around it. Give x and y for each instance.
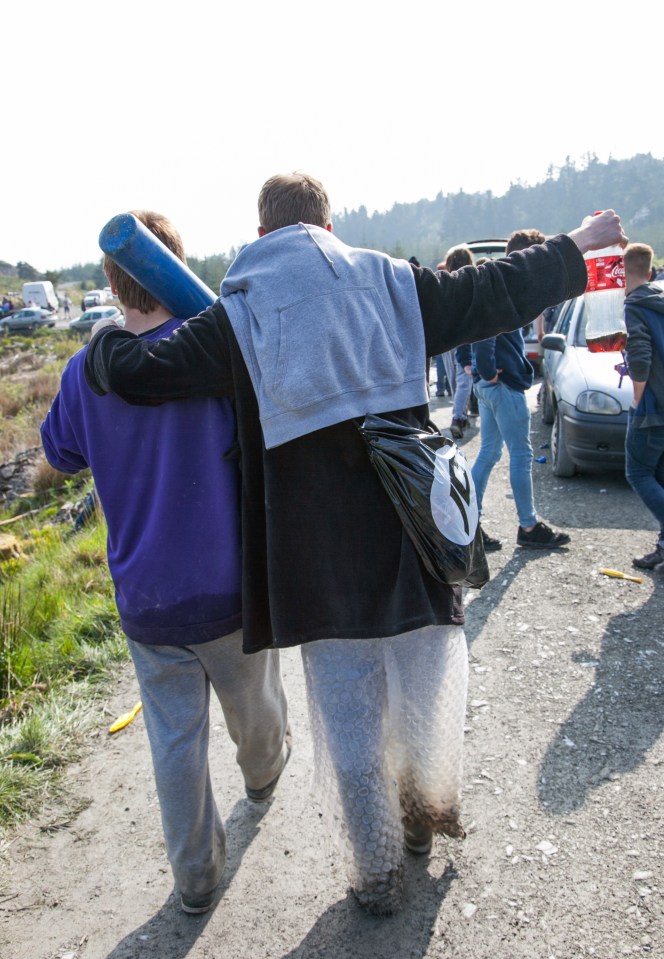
(31, 318)
(583, 397)
(85, 322)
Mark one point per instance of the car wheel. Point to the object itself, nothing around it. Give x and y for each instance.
(548, 414)
(563, 464)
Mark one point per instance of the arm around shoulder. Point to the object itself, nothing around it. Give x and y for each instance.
(192, 362)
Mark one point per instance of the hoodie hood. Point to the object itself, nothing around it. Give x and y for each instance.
(328, 332)
(650, 296)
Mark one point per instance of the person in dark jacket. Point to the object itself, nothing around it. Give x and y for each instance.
(503, 374)
(309, 336)
(644, 442)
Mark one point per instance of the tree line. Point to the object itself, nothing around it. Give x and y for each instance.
(428, 228)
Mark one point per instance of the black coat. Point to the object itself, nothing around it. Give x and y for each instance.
(324, 553)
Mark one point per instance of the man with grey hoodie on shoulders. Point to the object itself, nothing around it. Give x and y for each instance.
(309, 336)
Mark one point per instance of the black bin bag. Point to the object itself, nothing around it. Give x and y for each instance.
(429, 483)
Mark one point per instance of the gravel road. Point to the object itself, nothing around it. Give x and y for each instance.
(563, 796)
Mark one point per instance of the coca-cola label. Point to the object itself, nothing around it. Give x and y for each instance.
(605, 273)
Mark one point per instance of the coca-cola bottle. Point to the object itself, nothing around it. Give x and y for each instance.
(604, 300)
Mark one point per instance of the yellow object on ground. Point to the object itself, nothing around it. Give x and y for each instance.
(125, 719)
(617, 575)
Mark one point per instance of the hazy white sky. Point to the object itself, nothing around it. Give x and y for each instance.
(188, 109)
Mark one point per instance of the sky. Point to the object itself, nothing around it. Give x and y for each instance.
(187, 109)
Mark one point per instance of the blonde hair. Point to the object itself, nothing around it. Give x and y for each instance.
(130, 293)
(638, 259)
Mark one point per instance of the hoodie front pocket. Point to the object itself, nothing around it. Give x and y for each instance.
(334, 343)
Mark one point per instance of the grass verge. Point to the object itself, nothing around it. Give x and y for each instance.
(59, 638)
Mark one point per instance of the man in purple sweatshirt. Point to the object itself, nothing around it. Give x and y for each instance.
(168, 484)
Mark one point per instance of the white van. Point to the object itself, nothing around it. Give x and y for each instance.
(40, 293)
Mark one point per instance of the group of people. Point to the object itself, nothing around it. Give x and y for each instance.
(502, 375)
(497, 373)
(245, 516)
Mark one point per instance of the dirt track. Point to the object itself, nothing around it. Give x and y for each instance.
(564, 789)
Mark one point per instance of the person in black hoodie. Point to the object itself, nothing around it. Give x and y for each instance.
(644, 443)
(503, 374)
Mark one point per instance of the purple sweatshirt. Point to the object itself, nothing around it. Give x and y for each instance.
(170, 497)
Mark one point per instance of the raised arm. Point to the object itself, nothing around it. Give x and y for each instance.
(599, 231)
(502, 295)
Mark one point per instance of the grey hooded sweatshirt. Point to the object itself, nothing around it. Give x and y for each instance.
(364, 308)
(644, 319)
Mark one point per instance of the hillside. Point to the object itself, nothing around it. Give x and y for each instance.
(428, 228)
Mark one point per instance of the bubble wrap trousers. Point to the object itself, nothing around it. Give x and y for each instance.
(387, 719)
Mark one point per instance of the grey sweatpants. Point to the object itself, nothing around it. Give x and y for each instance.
(175, 690)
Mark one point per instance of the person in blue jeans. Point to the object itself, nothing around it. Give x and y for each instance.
(443, 385)
(502, 376)
(644, 443)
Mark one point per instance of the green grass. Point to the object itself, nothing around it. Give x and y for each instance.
(30, 369)
(56, 605)
(59, 639)
(35, 750)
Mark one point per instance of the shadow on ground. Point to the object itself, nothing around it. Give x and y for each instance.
(481, 603)
(344, 931)
(170, 933)
(619, 719)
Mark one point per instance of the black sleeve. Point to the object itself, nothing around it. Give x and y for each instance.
(639, 342)
(475, 303)
(194, 361)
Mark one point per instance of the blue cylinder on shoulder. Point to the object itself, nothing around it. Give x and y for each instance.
(145, 258)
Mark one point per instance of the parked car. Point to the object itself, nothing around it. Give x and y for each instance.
(534, 350)
(493, 249)
(582, 397)
(85, 322)
(93, 298)
(28, 319)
